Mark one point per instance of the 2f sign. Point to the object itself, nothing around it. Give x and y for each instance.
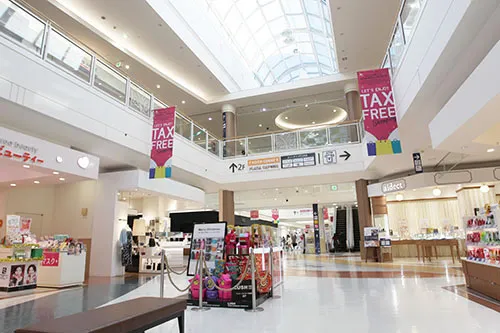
(163, 138)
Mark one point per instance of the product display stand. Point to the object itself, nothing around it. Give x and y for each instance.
(69, 271)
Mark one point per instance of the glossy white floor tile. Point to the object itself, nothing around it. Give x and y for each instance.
(310, 304)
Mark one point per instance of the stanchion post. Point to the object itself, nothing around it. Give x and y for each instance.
(162, 276)
(254, 285)
(200, 277)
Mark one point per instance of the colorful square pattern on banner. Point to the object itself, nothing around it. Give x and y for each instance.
(162, 143)
(379, 112)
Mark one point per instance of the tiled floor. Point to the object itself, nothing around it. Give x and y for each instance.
(320, 294)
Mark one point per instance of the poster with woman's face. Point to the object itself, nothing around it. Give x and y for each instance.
(30, 275)
(16, 275)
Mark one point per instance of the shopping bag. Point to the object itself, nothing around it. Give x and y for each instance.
(384, 147)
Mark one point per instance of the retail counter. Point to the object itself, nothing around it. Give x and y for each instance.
(60, 270)
(408, 248)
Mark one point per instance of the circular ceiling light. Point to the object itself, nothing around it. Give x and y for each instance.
(36, 182)
(317, 114)
(399, 197)
(26, 166)
(484, 188)
(59, 159)
(436, 192)
(13, 185)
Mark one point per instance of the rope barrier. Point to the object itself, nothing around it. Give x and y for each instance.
(172, 282)
(171, 270)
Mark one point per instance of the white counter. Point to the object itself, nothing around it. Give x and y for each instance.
(69, 272)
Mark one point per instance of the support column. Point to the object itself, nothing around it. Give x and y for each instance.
(364, 211)
(229, 121)
(353, 108)
(226, 206)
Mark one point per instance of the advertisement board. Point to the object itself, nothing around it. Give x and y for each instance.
(162, 148)
(208, 238)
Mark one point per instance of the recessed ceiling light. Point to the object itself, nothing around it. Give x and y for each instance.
(158, 86)
(436, 192)
(264, 109)
(125, 36)
(127, 66)
(313, 122)
(260, 125)
(209, 118)
(55, 173)
(62, 179)
(334, 110)
(484, 188)
(99, 84)
(26, 166)
(183, 102)
(36, 182)
(59, 159)
(13, 185)
(307, 105)
(490, 150)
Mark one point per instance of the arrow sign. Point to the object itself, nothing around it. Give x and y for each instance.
(346, 155)
(233, 167)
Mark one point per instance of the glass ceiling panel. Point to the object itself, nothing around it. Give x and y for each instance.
(279, 40)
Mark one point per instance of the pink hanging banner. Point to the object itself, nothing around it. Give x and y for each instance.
(379, 112)
(162, 143)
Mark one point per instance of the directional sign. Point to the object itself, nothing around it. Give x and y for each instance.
(330, 157)
(236, 167)
(417, 163)
(345, 155)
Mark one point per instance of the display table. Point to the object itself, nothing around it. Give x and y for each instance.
(150, 262)
(427, 248)
(18, 275)
(482, 277)
(60, 270)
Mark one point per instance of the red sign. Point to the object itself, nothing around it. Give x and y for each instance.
(50, 259)
(379, 112)
(254, 214)
(325, 214)
(162, 143)
(275, 214)
(23, 157)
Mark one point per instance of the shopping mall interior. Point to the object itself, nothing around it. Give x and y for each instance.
(278, 165)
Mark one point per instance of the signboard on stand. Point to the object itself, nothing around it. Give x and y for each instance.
(162, 149)
(379, 112)
(317, 247)
(371, 237)
(208, 239)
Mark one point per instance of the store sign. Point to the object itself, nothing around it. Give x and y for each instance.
(19, 151)
(379, 112)
(254, 214)
(317, 246)
(417, 163)
(264, 164)
(50, 259)
(303, 212)
(330, 157)
(160, 165)
(275, 214)
(394, 186)
(298, 161)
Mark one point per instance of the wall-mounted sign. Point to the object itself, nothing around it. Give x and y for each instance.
(417, 163)
(18, 151)
(264, 164)
(330, 157)
(162, 149)
(394, 186)
(236, 167)
(379, 112)
(298, 161)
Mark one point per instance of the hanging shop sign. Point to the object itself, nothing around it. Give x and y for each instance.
(379, 112)
(162, 143)
(298, 161)
(330, 157)
(326, 215)
(317, 246)
(417, 163)
(264, 164)
(208, 237)
(275, 214)
(394, 186)
(254, 214)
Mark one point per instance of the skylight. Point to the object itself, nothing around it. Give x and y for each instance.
(280, 40)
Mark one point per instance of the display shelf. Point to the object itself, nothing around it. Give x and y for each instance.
(70, 271)
(482, 277)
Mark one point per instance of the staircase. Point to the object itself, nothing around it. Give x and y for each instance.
(341, 230)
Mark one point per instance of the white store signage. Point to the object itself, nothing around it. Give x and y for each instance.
(394, 186)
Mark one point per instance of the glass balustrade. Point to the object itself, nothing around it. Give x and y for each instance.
(23, 27)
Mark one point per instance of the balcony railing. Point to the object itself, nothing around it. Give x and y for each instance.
(408, 17)
(22, 26)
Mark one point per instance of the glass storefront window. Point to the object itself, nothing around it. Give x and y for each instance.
(110, 82)
(65, 54)
(139, 100)
(21, 26)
